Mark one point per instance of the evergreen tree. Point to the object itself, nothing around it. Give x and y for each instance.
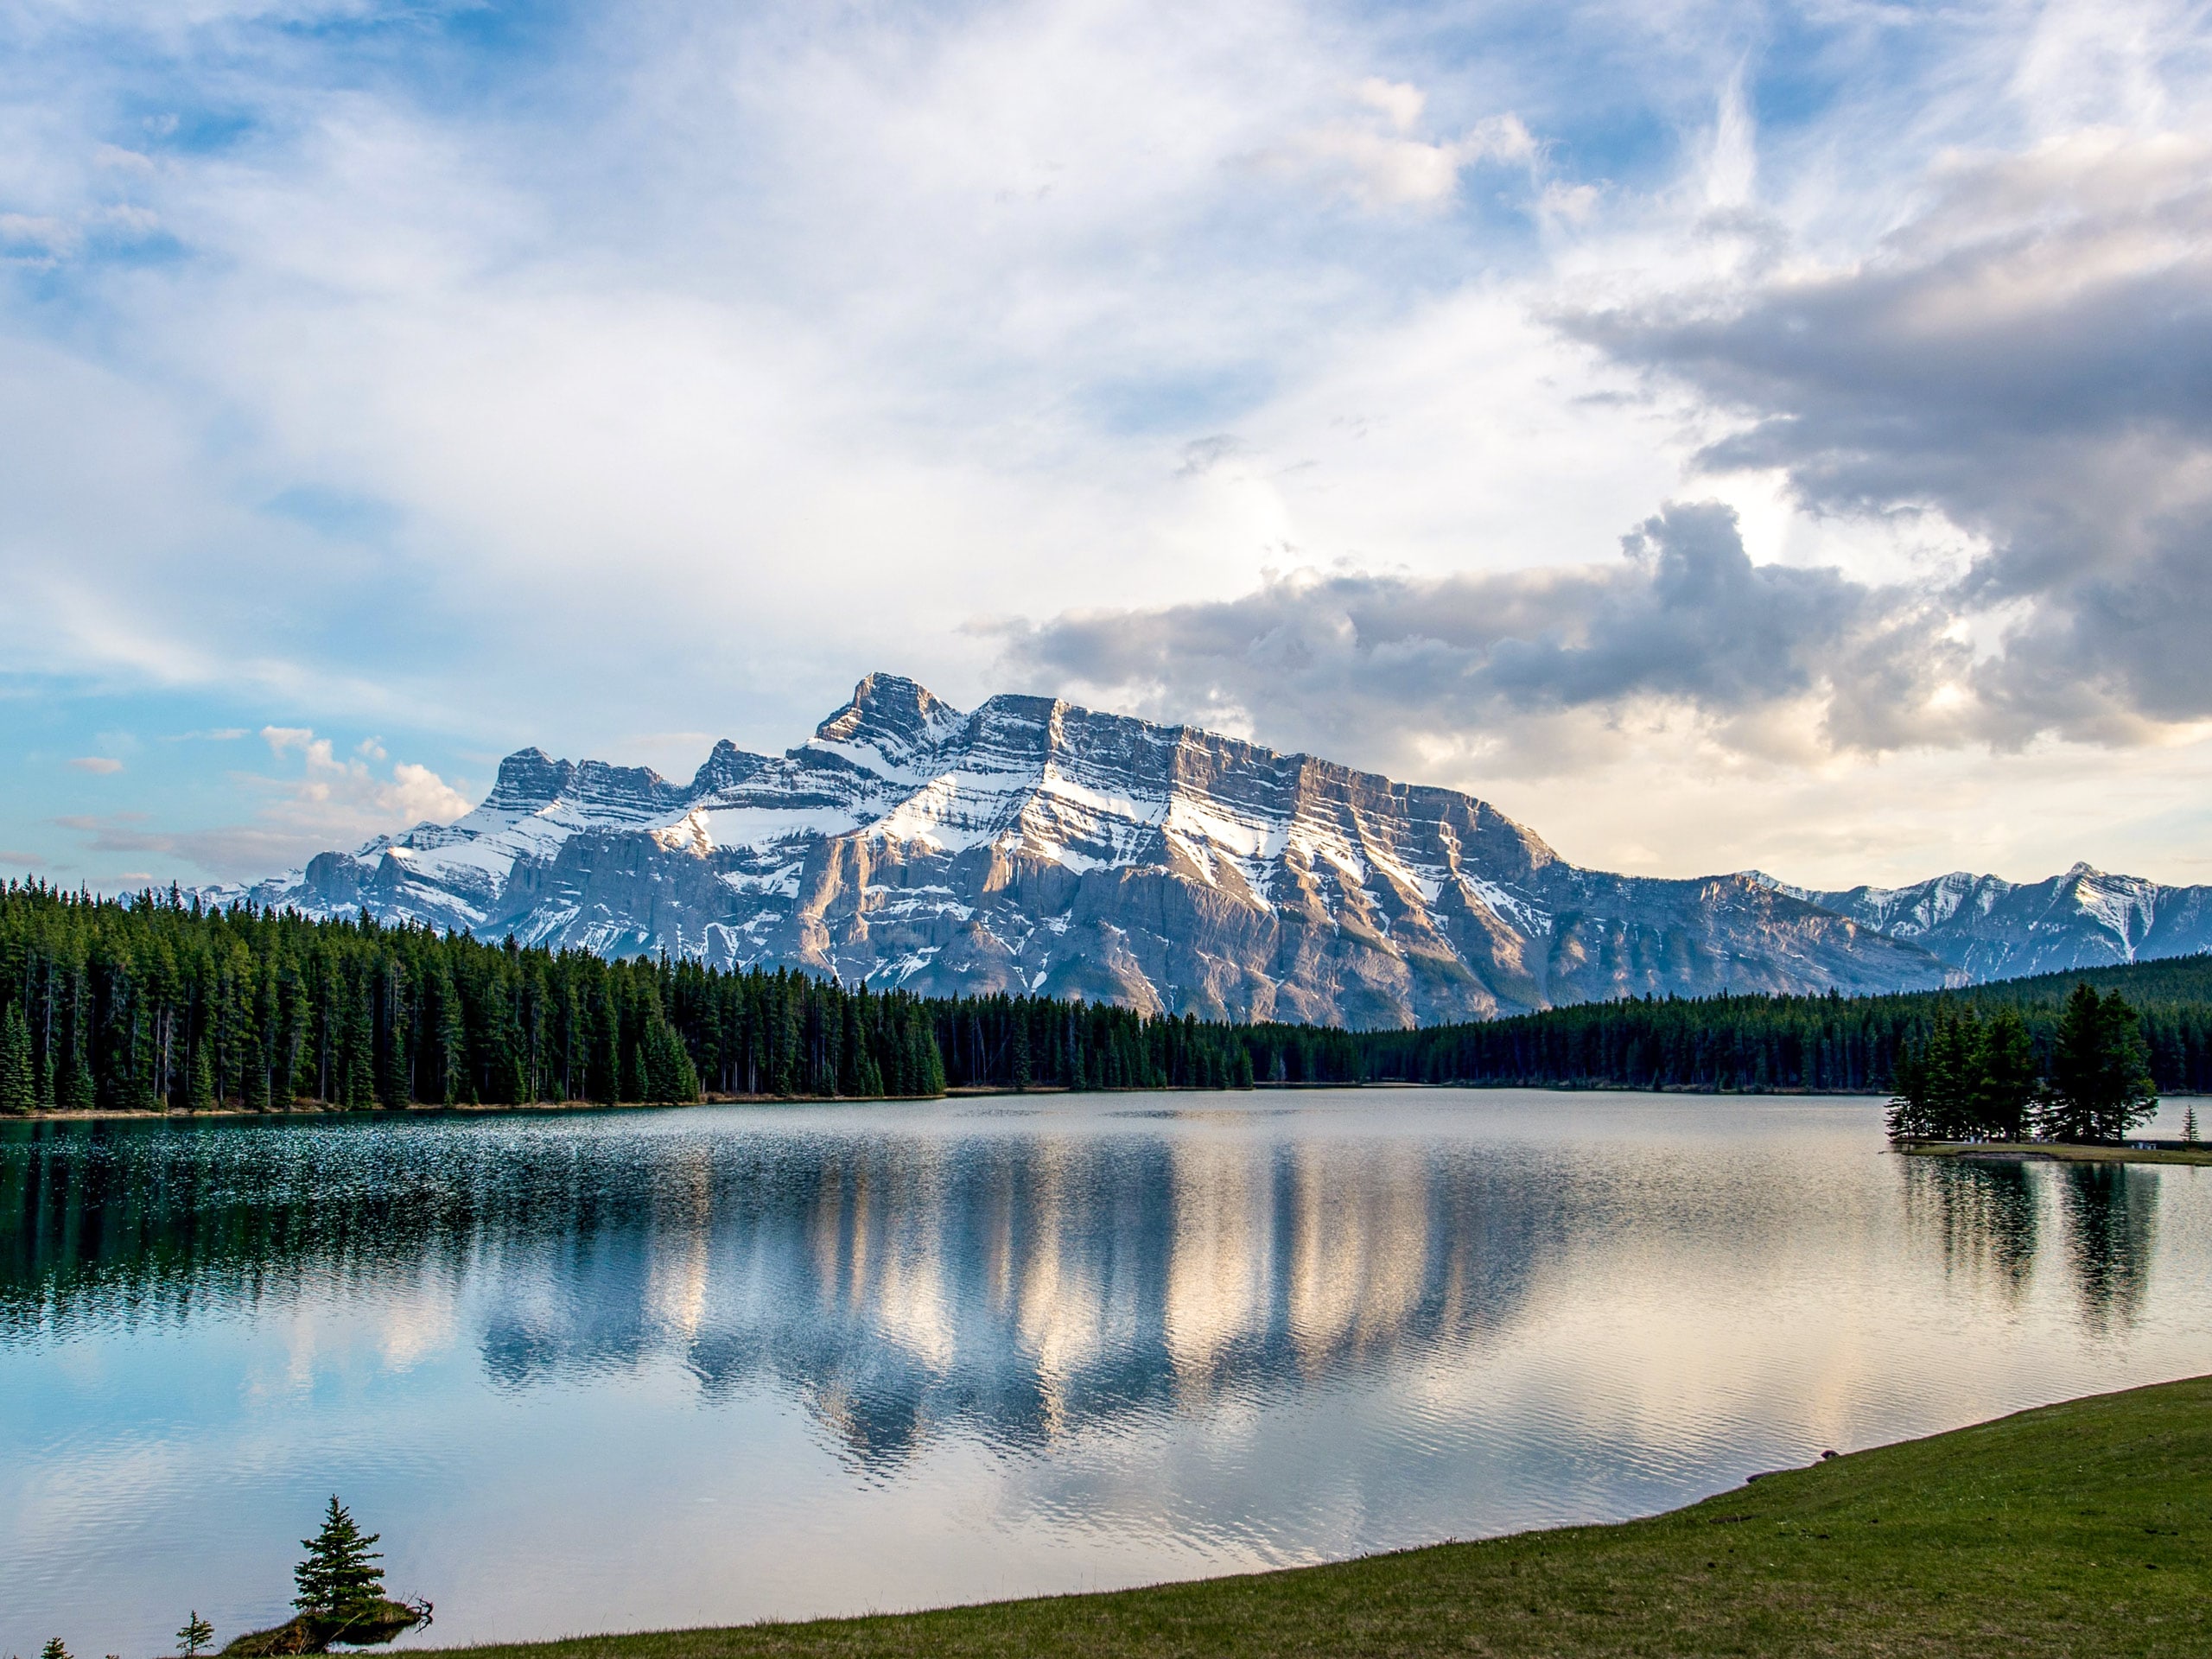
(197, 1633)
(2189, 1123)
(118, 1002)
(76, 1086)
(2100, 1084)
(202, 1096)
(666, 1070)
(256, 1080)
(42, 1082)
(2005, 1077)
(338, 1578)
(54, 1649)
(16, 1094)
(1936, 1082)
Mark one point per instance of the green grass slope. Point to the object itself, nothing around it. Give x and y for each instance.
(2079, 1529)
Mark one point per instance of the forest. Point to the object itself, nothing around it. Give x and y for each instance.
(151, 1002)
(1822, 1044)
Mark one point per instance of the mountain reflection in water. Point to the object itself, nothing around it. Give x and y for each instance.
(1015, 1285)
(649, 1369)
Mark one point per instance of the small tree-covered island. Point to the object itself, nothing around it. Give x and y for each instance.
(1971, 1078)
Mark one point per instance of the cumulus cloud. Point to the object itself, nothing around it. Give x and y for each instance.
(347, 791)
(1378, 159)
(1383, 663)
(807, 335)
(2030, 360)
(325, 802)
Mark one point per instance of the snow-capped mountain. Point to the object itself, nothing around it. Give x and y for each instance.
(2002, 930)
(1032, 845)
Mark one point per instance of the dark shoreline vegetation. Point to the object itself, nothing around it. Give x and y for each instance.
(153, 1004)
(2079, 1528)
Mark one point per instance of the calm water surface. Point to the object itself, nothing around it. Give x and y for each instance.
(632, 1370)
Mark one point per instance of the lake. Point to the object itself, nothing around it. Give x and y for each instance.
(619, 1370)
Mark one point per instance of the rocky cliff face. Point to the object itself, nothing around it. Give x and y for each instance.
(1034, 846)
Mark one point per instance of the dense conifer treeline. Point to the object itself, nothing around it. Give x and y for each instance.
(152, 1003)
(1750, 1044)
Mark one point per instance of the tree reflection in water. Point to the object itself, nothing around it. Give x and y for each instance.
(2110, 1214)
(1985, 1215)
(1982, 1215)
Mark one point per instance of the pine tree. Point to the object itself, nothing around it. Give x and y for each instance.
(16, 1086)
(54, 1649)
(2100, 1082)
(197, 1633)
(43, 1078)
(337, 1580)
(76, 1088)
(202, 1096)
(2188, 1124)
(667, 1073)
(2005, 1077)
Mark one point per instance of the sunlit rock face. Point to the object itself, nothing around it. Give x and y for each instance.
(1038, 847)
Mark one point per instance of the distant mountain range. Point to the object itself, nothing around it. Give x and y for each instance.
(1034, 846)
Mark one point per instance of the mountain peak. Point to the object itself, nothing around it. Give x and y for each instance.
(1035, 845)
(726, 767)
(889, 712)
(530, 779)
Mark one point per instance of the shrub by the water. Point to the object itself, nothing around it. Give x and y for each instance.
(338, 1577)
(195, 1634)
(341, 1596)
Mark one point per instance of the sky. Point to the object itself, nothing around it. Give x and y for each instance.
(1722, 436)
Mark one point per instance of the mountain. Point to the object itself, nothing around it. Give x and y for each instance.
(1030, 845)
(1993, 929)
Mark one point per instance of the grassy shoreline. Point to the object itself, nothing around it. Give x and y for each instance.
(2075, 1529)
(2054, 1152)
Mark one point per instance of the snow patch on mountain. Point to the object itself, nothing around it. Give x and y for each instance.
(1032, 844)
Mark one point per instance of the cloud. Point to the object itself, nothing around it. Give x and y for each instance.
(347, 792)
(431, 412)
(1379, 162)
(231, 852)
(103, 765)
(37, 237)
(2029, 361)
(1359, 662)
(282, 739)
(326, 803)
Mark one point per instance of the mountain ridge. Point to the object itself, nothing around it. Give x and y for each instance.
(1033, 845)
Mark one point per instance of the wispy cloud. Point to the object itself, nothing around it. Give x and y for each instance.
(776, 344)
